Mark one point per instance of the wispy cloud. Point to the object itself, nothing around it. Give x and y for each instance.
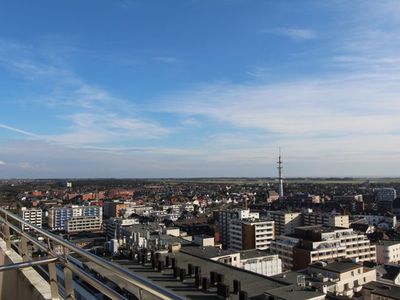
(2, 163)
(166, 59)
(95, 116)
(295, 33)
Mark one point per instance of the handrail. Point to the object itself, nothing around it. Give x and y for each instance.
(138, 281)
(26, 264)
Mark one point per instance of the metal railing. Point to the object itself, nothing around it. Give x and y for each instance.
(13, 224)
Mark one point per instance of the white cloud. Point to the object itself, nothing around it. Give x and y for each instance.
(2, 163)
(95, 116)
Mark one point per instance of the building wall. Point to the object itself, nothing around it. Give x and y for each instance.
(386, 254)
(248, 237)
(268, 265)
(286, 222)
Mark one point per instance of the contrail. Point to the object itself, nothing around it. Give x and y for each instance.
(27, 133)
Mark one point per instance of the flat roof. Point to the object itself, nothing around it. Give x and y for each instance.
(382, 289)
(206, 252)
(253, 253)
(295, 292)
(254, 284)
(388, 242)
(338, 267)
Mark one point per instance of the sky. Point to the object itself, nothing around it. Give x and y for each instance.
(199, 88)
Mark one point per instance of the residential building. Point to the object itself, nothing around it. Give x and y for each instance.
(317, 243)
(113, 227)
(388, 252)
(383, 221)
(83, 223)
(389, 274)
(320, 243)
(224, 221)
(283, 246)
(346, 278)
(33, 216)
(334, 220)
(285, 222)
(112, 209)
(380, 291)
(248, 234)
(58, 217)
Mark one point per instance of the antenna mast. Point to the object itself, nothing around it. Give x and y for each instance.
(280, 167)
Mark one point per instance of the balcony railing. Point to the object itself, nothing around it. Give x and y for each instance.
(48, 242)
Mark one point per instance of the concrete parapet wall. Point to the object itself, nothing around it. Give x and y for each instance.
(20, 284)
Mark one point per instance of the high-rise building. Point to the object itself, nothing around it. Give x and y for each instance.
(248, 234)
(224, 220)
(33, 216)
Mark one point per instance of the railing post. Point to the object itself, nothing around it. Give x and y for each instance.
(69, 287)
(24, 249)
(53, 281)
(7, 236)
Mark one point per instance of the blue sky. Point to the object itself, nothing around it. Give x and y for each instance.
(191, 88)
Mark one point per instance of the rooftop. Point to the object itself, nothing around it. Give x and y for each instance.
(337, 267)
(388, 242)
(254, 284)
(389, 291)
(295, 292)
(206, 252)
(248, 254)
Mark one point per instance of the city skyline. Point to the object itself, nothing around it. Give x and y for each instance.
(199, 88)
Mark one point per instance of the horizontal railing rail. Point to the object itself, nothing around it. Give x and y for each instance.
(13, 222)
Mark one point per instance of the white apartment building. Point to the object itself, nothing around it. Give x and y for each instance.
(317, 243)
(58, 217)
(33, 216)
(285, 222)
(251, 234)
(358, 246)
(388, 252)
